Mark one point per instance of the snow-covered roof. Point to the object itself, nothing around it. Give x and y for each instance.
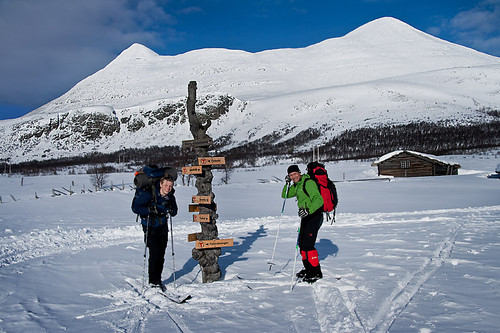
(414, 153)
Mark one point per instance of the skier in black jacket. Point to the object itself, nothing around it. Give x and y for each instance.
(154, 205)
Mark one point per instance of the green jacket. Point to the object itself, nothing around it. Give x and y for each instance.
(311, 202)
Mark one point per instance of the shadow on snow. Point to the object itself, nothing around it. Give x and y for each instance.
(326, 248)
(229, 256)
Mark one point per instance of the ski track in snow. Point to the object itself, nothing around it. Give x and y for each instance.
(406, 289)
(129, 310)
(342, 314)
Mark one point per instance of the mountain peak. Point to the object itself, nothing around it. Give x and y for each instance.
(387, 21)
(386, 29)
(136, 51)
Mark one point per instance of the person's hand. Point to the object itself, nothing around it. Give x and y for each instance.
(303, 213)
(158, 209)
(288, 180)
(163, 208)
(153, 209)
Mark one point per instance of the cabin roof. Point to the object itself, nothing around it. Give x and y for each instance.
(427, 157)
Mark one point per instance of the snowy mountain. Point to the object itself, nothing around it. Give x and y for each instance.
(385, 72)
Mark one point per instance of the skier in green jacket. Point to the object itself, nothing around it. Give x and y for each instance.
(310, 204)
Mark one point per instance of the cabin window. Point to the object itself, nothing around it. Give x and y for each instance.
(405, 164)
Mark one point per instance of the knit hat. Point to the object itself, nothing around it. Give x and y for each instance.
(293, 168)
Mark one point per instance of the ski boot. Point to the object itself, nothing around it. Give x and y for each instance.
(302, 274)
(159, 286)
(312, 277)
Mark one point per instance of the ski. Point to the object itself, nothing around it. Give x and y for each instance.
(174, 298)
(248, 282)
(299, 280)
(165, 293)
(240, 278)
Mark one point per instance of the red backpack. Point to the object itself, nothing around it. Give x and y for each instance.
(326, 187)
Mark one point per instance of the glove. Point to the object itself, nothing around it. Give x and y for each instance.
(288, 180)
(303, 213)
(153, 209)
(158, 209)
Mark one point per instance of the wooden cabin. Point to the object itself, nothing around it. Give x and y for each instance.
(406, 163)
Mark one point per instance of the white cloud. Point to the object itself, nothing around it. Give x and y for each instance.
(484, 18)
(478, 27)
(47, 46)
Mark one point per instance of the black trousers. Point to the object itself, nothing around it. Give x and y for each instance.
(309, 227)
(156, 240)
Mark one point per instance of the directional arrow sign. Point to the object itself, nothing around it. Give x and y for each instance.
(194, 208)
(202, 199)
(207, 244)
(211, 160)
(192, 170)
(201, 218)
(197, 143)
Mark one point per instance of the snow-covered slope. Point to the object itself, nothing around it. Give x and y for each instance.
(385, 72)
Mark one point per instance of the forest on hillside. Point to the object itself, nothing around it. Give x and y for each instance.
(363, 143)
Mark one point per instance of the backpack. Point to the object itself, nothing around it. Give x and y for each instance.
(326, 187)
(149, 174)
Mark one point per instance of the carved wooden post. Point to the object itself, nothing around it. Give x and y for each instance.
(207, 258)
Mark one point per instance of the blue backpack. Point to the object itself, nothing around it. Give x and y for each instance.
(149, 174)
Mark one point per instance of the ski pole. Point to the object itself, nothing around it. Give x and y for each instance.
(172, 241)
(145, 255)
(295, 258)
(271, 262)
(333, 219)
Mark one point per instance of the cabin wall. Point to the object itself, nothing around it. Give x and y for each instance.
(417, 167)
(445, 170)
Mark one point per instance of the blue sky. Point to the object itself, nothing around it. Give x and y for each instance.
(47, 46)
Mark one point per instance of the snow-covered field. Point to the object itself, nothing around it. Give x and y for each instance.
(406, 255)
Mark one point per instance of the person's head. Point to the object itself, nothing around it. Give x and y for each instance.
(294, 173)
(166, 185)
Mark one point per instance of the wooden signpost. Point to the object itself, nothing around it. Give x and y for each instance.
(211, 160)
(192, 237)
(205, 142)
(207, 250)
(201, 218)
(192, 170)
(201, 199)
(194, 208)
(208, 244)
